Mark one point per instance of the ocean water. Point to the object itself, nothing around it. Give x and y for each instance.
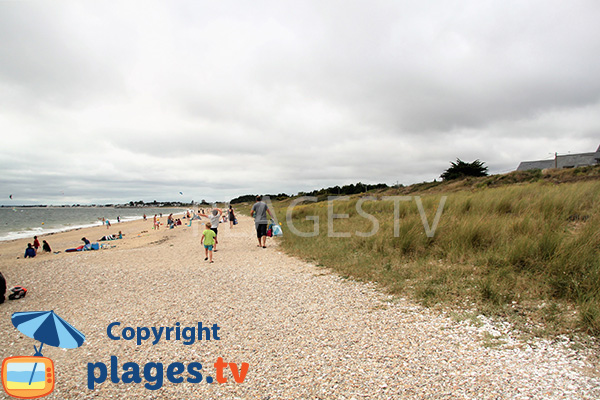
(24, 222)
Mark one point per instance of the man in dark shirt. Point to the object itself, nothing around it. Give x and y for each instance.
(30, 251)
(259, 212)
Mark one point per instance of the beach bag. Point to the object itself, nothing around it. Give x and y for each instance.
(277, 230)
(2, 288)
(17, 292)
(235, 221)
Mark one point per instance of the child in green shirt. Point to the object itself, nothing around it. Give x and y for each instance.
(208, 239)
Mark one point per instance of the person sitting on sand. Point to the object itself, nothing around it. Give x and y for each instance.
(208, 240)
(36, 243)
(120, 235)
(30, 251)
(85, 240)
(46, 247)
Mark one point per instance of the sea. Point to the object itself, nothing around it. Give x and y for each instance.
(24, 222)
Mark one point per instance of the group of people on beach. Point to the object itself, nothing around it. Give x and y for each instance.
(32, 249)
(209, 239)
(172, 222)
(106, 221)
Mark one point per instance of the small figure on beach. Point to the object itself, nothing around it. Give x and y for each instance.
(36, 243)
(107, 224)
(120, 235)
(259, 212)
(46, 247)
(209, 239)
(2, 288)
(118, 219)
(30, 251)
(214, 217)
(85, 241)
(156, 222)
(231, 217)
(144, 217)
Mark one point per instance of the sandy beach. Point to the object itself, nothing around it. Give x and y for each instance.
(304, 332)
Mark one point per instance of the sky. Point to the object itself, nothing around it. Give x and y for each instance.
(112, 101)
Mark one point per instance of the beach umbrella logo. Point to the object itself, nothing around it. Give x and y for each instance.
(32, 377)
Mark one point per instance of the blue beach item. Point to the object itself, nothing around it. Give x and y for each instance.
(48, 328)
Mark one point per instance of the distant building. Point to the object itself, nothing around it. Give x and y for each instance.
(565, 161)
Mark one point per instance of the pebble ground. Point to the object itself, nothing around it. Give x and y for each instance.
(305, 332)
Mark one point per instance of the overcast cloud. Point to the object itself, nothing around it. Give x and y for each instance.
(114, 101)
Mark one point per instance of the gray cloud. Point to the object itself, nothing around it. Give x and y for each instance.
(114, 102)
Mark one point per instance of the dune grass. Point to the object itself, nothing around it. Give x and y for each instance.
(529, 251)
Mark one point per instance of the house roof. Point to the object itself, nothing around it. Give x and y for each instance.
(541, 164)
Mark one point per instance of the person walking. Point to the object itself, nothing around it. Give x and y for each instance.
(231, 216)
(209, 239)
(215, 218)
(259, 212)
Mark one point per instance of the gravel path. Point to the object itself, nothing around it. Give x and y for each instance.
(305, 332)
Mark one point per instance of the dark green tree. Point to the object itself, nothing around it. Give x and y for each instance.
(461, 169)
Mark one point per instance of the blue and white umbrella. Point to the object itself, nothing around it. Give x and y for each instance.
(48, 328)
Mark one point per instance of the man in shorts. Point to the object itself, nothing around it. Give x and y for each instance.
(259, 212)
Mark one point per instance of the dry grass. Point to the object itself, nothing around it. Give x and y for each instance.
(518, 245)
